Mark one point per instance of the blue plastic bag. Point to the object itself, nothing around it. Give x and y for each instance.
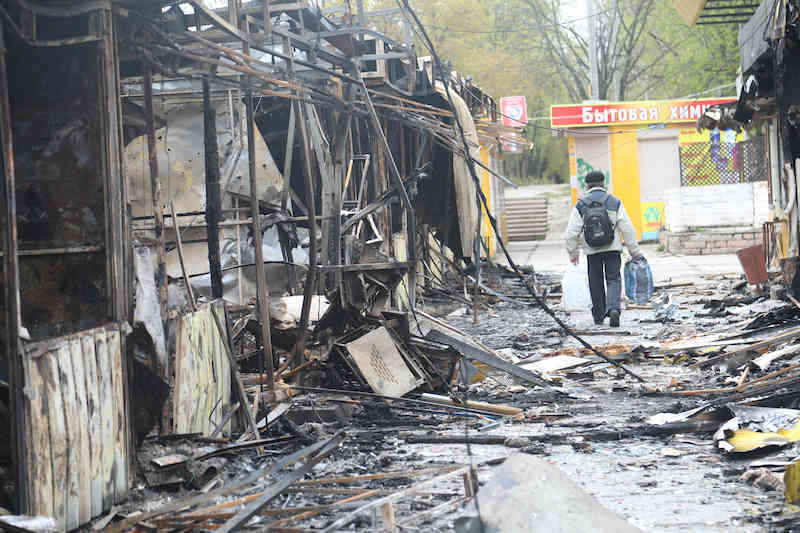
(638, 280)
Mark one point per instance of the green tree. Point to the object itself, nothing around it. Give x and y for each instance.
(534, 48)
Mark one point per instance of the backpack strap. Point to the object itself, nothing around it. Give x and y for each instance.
(581, 207)
(612, 202)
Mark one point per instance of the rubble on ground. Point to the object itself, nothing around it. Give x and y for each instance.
(400, 442)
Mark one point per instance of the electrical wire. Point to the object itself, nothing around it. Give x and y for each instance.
(471, 166)
(493, 221)
(519, 30)
(579, 133)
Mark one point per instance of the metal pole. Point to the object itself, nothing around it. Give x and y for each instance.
(592, 50)
(262, 301)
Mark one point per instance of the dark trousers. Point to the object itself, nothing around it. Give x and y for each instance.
(604, 274)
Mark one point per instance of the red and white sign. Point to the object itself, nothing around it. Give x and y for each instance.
(618, 113)
(514, 110)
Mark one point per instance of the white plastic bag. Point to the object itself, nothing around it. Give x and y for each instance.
(575, 289)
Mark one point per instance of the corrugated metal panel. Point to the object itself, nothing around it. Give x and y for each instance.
(202, 373)
(76, 419)
(753, 35)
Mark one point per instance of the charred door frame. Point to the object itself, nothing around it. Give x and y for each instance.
(116, 222)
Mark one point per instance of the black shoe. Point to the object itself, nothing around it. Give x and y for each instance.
(613, 319)
(599, 321)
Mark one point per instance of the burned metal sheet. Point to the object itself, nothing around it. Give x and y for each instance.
(202, 374)
(148, 310)
(381, 364)
(76, 426)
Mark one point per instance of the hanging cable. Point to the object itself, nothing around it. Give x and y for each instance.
(471, 166)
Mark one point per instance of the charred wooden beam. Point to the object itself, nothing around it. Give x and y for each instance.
(287, 185)
(12, 301)
(155, 187)
(411, 234)
(251, 419)
(213, 211)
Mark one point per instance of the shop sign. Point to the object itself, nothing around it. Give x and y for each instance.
(630, 113)
(514, 110)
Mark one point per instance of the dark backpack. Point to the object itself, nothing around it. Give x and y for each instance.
(598, 231)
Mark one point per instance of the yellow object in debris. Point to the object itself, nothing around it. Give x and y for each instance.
(791, 480)
(745, 440)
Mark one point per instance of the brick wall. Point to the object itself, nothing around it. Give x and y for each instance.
(713, 242)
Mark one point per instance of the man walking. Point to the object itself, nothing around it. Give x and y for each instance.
(597, 221)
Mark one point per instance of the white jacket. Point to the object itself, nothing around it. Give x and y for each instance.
(619, 218)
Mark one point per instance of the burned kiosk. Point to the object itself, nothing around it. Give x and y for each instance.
(190, 192)
(66, 263)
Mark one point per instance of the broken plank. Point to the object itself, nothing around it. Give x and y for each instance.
(482, 356)
(504, 410)
(85, 461)
(767, 359)
(276, 526)
(73, 430)
(191, 501)
(106, 417)
(225, 419)
(424, 516)
(391, 402)
(235, 374)
(781, 337)
(244, 446)
(120, 417)
(373, 477)
(346, 519)
(273, 491)
(674, 285)
(39, 452)
(58, 441)
(71, 434)
(179, 242)
(95, 444)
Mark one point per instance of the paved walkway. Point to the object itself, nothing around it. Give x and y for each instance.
(551, 256)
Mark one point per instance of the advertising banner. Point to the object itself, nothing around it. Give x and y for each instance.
(652, 220)
(514, 111)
